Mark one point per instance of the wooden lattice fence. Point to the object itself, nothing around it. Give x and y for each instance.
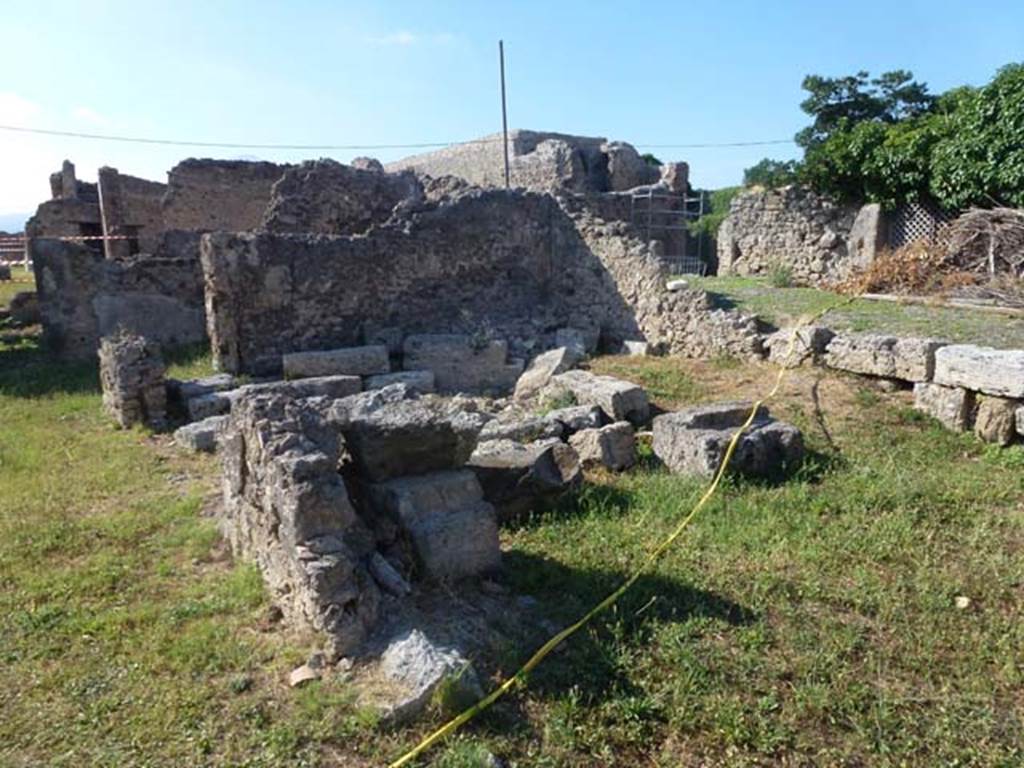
(924, 220)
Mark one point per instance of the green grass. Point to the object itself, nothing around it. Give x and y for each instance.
(807, 622)
(782, 306)
(21, 280)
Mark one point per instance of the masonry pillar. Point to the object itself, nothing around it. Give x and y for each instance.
(68, 182)
(112, 213)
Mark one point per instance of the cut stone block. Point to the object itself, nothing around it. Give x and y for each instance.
(351, 361)
(200, 436)
(811, 342)
(953, 407)
(315, 386)
(209, 405)
(891, 357)
(997, 372)
(190, 388)
(577, 417)
(522, 429)
(405, 437)
(574, 339)
(613, 446)
(542, 368)
(414, 667)
(996, 419)
(460, 364)
(620, 400)
(419, 381)
(636, 348)
(516, 478)
(1020, 421)
(694, 441)
(454, 532)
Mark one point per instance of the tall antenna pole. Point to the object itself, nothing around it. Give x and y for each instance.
(504, 113)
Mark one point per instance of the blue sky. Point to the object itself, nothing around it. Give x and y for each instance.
(406, 72)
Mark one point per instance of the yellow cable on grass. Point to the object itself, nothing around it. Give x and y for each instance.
(655, 554)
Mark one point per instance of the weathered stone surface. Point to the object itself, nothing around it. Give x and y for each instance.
(315, 386)
(132, 375)
(287, 508)
(992, 371)
(419, 381)
(461, 365)
(575, 340)
(613, 446)
(577, 417)
(542, 368)
(454, 532)
(521, 428)
(996, 419)
(810, 343)
(24, 308)
(186, 390)
(817, 239)
(952, 406)
(1020, 421)
(387, 576)
(351, 361)
(390, 437)
(635, 348)
(694, 441)
(620, 400)
(417, 666)
(517, 478)
(891, 357)
(212, 404)
(200, 436)
(676, 285)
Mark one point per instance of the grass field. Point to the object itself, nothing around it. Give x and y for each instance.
(782, 306)
(809, 622)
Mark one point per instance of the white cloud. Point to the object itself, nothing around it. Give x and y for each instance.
(88, 115)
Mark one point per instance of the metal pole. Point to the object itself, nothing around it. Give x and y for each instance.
(504, 113)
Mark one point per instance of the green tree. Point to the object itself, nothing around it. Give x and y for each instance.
(980, 157)
(838, 103)
(771, 173)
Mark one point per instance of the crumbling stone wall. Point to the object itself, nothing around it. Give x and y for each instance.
(83, 296)
(132, 374)
(508, 265)
(817, 239)
(207, 195)
(327, 197)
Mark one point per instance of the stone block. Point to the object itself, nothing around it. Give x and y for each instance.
(390, 437)
(810, 343)
(200, 436)
(910, 359)
(634, 348)
(520, 428)
(542, 368)
(315, 386)
(350, 361)
(577, 417)
(620, 400)
(461, 364)
(694, 441)
(953, 407)
(212, 404)
(518, 478)
(612, 447)
(996, 419)
(132, 373)
(453, 531)
(418, 381)
(997, 372)
(1020, 421)
(190, 388)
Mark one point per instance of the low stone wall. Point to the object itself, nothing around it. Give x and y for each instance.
(816, 239)
(491, 264)
(83, 296)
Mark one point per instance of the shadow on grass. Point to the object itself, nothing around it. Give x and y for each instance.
(595, 662)
(30, 370)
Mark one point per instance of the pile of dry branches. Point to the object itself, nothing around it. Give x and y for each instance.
(917, 268)
(988, 242)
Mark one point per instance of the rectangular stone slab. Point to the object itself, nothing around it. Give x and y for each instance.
(352, 361)
(984, 369)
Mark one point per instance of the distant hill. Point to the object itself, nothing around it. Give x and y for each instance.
(13, 222)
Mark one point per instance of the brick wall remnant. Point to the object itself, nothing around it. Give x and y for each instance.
(132, 374)
(815, 238)
(206, 195)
